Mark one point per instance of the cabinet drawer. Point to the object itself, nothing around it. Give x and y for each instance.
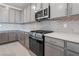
(73, 46)
(51, 50)
(69, 53)
(54, 41)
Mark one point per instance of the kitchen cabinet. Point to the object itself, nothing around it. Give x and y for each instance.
(38, 6)
(21, 38)
(25, 16)
(73, 46)
(26, 38)
(3, 14)
(32, 11)
(70, 53)
(55, 41)
(54, 47)
(74, 8)
(58, 10)
(45, 5)
(3, 37)
(17, 16)
(51, 50)
(12, 36)
(28, 14)
(12, 15)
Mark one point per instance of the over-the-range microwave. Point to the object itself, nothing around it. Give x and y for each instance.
(42, 14)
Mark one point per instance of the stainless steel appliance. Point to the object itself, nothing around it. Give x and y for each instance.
(36, 41)
(43, 14)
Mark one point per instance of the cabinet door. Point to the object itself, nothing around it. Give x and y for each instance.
(58, 10)
(18, 16)
(54, 41)
(38, 6)
(4, 37)
(75, 8)
(21, 38)
(3, 14)
(51, 50)
(11, 15)
(73, 46)
(0, 38)
(28, 14)
(32, 14)
(12, 36)
(69, 53)
(45, 5)
(26, 40)
(25, 15)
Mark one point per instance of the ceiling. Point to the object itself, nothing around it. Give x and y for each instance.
(19, 5)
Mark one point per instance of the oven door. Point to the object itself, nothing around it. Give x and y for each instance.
(36, 46)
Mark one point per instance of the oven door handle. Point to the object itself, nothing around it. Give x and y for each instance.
(39, 41)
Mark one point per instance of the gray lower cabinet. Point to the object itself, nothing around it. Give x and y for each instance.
(54, 47)
(72, 46)
(3, 37)
(27, 40)
(21, 38)
(51, 50)
(12, 36)
(70, 53)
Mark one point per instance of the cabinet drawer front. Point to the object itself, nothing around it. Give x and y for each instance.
(73, 46)
(54, 41)
(69, 53)
(51, 50)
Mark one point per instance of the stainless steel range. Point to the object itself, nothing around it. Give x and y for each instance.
(36, 41)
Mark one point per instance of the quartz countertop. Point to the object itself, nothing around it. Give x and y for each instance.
(74, 37)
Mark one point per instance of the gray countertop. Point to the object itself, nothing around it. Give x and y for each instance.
(74, 37)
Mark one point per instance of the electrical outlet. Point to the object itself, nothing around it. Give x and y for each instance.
(65, 25)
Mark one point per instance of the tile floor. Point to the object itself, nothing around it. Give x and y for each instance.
(13, 49)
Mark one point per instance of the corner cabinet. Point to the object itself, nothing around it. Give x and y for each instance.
(58, 10)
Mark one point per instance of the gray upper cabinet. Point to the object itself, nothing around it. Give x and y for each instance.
(38, 6)
(58, 10)
(17, 16)
(45, 5)
(3, 14)
(12, 15)
(25, 16)
(32, 11)
(28, 14)
(74, 8)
